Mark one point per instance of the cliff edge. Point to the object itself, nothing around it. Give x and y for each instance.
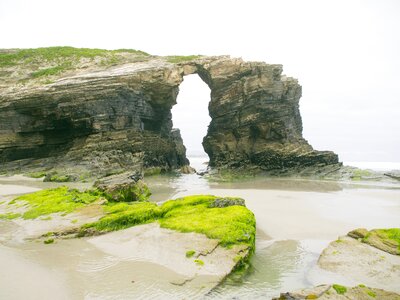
(106, 111)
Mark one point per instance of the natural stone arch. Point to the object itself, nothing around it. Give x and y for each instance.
(120, 119)
(255, 117)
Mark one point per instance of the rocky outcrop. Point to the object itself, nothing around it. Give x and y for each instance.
(105, 120)
(255, 118)
(123, 188)
(170, 249)
(337, 292)
(358, 262)
(387, 240)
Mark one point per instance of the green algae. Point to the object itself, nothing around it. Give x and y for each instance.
(58, 200)
(340, 289)
(48, 241)
(36, 174)
(359, 174)
(123, 215)
(199, 262)
(190, 253)
(9, 216)
(390, 233)
(230, 225)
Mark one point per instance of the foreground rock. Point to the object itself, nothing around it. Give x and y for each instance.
(387, 240)
(191, 255)
(96, 112)
(359, 262)
(197, 237)
(125, 187)
(339, 292)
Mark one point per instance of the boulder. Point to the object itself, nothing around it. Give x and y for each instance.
(125, 187)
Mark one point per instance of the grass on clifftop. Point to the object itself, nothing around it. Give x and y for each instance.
(18, 56)
(178, 59)
(230, 225)
(44, 65)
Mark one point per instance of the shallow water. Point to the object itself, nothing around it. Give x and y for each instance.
(296, 219)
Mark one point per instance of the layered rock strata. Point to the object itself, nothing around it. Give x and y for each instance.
(105, 120)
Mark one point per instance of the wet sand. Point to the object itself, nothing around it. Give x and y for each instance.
(296, 219)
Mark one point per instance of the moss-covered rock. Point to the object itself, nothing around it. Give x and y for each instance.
(336, 291)
(387, 240)
(59, 200)
(123, 188)
(230, 225)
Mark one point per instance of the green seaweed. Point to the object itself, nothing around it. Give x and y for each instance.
(36, 174)
(59, 200)
(190, 253)
(390, 233)
(340, 289)
(59, 178)
(123, 215)
(199, 262)
(230, 225)
(48, 241)
(9, 216)
(358, 174)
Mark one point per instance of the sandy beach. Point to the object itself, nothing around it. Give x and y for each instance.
(296, 219)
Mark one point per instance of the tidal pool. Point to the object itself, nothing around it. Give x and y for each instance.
(296, 219)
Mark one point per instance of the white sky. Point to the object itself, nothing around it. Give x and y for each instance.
(346, 54)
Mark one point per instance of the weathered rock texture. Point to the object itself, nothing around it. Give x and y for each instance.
(338, 292)
(106, 120)
(358, 262)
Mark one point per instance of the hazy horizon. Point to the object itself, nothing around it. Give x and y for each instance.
(345, 54)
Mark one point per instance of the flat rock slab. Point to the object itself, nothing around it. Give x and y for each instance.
(168, 248)
(325, 292)
(362, 263)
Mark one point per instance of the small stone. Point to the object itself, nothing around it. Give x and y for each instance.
(187, 170)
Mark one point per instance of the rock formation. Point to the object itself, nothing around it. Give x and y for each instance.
(107, 119)
(373, 267)
(338, 292)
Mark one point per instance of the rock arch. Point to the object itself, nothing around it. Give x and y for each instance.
(118, 119)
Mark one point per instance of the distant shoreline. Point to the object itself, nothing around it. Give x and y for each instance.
(376, 166)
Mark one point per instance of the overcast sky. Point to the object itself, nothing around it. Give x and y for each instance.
(346, 54)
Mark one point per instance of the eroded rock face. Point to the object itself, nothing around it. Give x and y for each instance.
(256, 118)
(338, 292)
(372, 266)
(111, 120)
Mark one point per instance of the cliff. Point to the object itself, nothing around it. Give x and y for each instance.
(103, 112)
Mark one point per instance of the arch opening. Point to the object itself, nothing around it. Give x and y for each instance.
(191, 116)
